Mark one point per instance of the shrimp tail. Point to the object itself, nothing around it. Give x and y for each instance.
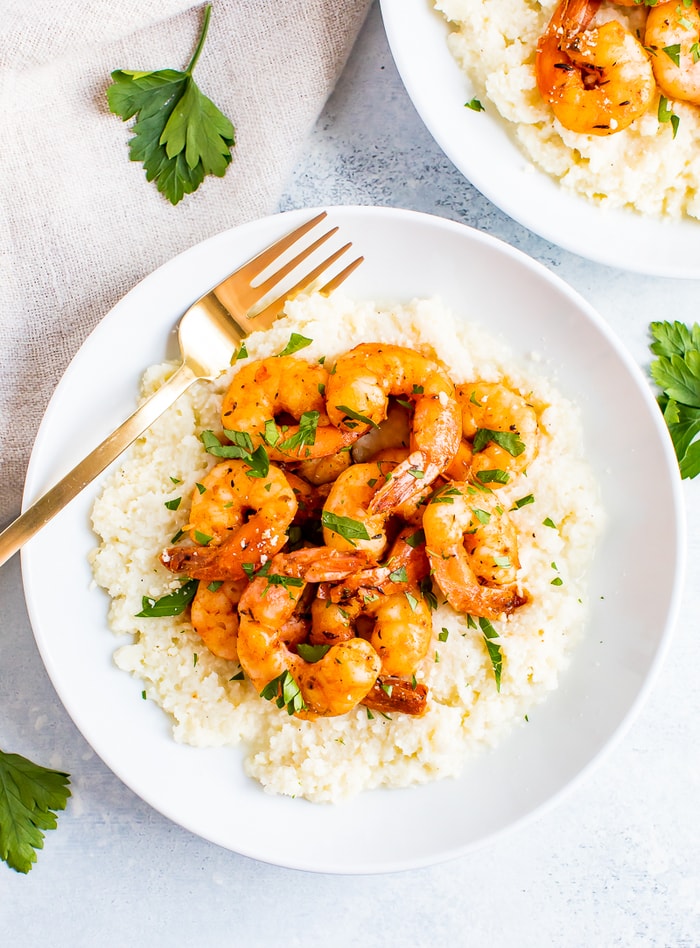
(489, 602)
(401, 486)
(225, 561)
(321, 564)
(390, 693)
(199, 562)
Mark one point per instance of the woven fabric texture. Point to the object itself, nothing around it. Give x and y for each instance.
(79, 223)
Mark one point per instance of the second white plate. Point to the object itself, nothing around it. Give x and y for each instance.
(480, 146)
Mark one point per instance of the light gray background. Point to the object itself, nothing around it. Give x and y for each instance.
(616, 864)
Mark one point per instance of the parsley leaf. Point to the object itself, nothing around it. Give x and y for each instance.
(306, 433)
(355, 416)
(174, 604)
(241, 448)
(311, 653)
(30, 795)
(674, 53)
(493, 648)
(296, 342)
(493, 477)
(676, 371)
(508, 440)
(415, 539)
(523, 502)
(345, 527)
(285, 692)
(665, 113)
(179, 134)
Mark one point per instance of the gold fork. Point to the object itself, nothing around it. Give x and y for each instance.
(211, 329)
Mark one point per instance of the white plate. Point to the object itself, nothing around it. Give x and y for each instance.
(480, 146)
(635, 582)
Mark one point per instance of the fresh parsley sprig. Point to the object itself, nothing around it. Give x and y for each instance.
(179, 134)
(676, 371)
(30, 796)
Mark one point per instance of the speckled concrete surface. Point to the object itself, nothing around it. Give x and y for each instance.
(616, 863)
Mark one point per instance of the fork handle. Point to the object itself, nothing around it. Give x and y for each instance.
(43, 510)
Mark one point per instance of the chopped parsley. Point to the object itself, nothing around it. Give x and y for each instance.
(493, 648)
(296, 342)
(241, 448)
(415, 539)
(483, 516)
(285, 692)
(173, 604)
(345, 527)
(355, 416)
(508, 440)
(666, 114)
(674, 53)
(412, 601)
(495, 476)
(312, 653)
(305, 434)
(445, 495)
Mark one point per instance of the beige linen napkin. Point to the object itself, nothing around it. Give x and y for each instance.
(79, 223)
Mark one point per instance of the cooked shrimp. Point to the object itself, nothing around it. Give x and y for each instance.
(321, 471)
(340, 680)
(310, 498)
(672, 34)
(410, 510)
(214, 616)
(460, 467)
(401, 627)
(396, 694)
(349, 499)
(357, 397)
(472, 548)
(501, 430)
(598, 79)
(406, 565)
(229, 495)
(321, 564)
(393, 433)
(280, 403)
(342, 677)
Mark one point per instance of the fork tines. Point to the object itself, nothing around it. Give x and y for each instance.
(264, 260)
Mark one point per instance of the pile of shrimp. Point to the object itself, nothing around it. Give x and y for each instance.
(345, 501)
(598, 78)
